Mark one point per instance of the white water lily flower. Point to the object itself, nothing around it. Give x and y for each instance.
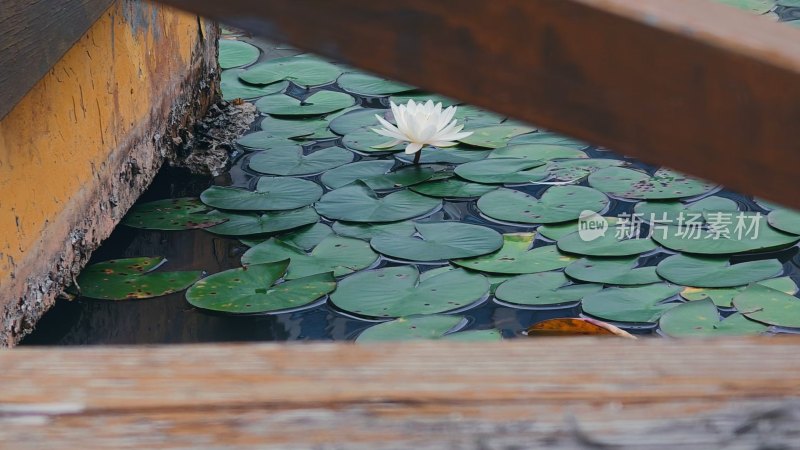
(421, 124)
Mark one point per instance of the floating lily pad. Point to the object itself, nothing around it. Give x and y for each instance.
(234, 53)
(422, 97)
(365, 140)
(517, 257)
(617, 271)
(251, 290)
(271, 194)
(437, 241)
(304, 238)
(608, 244)
(232, 87)
(171, 214)
(572, 170)
(364, 84)
(556, 231)
(300, 70)
(425, 328)
(452, 188)
(474, 117)
(663, 185)
(356, 202)
(723, 297)
(543, 289)
(291, 161)
(402, 177)
(263, 140)
(500, 170)
(339, 255)
(702, 319)
(447, 155)
(346, 174)
(715, 272)
(398, 292)
(785, 220)
(132, 278)
(495, 136)
(368, 231)
(557, 204)
(539, 152)
(547, 139)
(252, 223)
(769, 306)
(641, 304)
(359, 120)
(666, 212)
(320, 102)
(299, 128)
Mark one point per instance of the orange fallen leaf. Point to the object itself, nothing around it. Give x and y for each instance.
(576, 327)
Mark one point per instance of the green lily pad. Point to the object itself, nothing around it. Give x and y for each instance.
(348, 173)
(232, 87)
(364, 84)
(769, 306)
(245, 224)
(425, 328)
(617, 271)
(495, 136)
(474, 117)
(234, 53)
(251, 289)
(368, 231)
(517, 257)
(422, 97)
(398, 292)
(543, 289)
(500, 170)
(364, 140)
(572, 170)
(666, 212)
(640, 304)
(663, 185)
(300, 70)
(339, 255)
(785, 220)
(547, 139)
(447, 155)
(359, 120)
(271, 194)
(723, 297)
(715, 272)
(702, 319)
(291, 161)
(304, 238)
(438, 241)
(186, 213)
(608, 244)
(402, 177)
(356, 202)
(452, 188)
(556, 231)
(557, 204)
(320, 102)
(539, 152)
(132, 278)
(299, 128)
(263, 140)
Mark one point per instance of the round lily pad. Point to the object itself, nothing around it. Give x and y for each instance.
(402, 177)
(234, 53)
(301, 128)
(500, 170)
(356, 202)
(271, 194)
(640, 304)
(447, 155)
(291, 161)
(359, 120)
(232, 87)
(320, 102)
(346, 174)
(715, 272)
(723, 297)
(769, 306)
(547, 139)
(365, 140)
(517, 257)
(608, 244)
(132, 278)
(368, 231)
(170, 214)
(543, 289)
(305, 238)
(663, 185)
(339, 255)
(785, 220)
(617, 271)
(495, 136)
(452, 188)
(474, 117)
(300, 70)
(243, 224)
(539, 152)
(438, 241)
(672, 211)
(263, 140)
(702, 319)
(422, 97)
(398, 292)
(556, 231)
(557, 204)
(572, 170)
(364, 84)
(253, 290)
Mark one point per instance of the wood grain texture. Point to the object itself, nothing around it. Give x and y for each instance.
(35, 34)
(534, 393)
(694, 85)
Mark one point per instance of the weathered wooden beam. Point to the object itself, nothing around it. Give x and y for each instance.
(538, 393)
(36, 34)
(690, 84)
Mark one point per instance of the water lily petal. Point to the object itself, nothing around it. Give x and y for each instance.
(389, 144)
(390, 134)
(412, 148)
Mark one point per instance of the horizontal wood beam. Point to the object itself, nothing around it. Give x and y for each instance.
(691, 84)
(546, 393)
(36, 34)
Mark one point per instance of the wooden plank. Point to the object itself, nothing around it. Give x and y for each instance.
(673, 82)
(35, 34)
(543, 393)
